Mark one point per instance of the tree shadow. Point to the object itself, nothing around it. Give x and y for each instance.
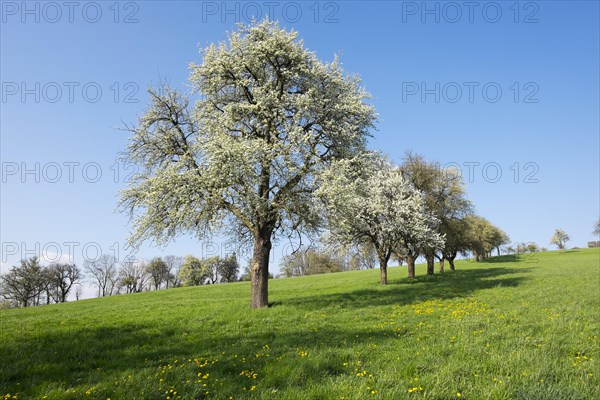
(46, 355)
(448, 285)
(84, 358)
(507, 258)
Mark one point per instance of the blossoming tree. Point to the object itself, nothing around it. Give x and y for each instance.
(243, 160)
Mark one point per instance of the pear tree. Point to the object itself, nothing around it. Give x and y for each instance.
(242, 159)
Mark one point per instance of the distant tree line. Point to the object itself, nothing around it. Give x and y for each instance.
(310, 261)
(520, 248)
(195, 271)
(33, 284)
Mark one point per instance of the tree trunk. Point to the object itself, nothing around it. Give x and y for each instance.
(383, 273)
(430, 263)
(441, 264)
(260, 272)
(451, 262)
(383, 270)
(410, 263)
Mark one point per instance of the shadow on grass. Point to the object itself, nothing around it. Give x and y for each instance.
(507, 258)
(84, 358)
(49, 356)
(457, 284)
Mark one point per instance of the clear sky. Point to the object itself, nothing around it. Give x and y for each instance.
(508, 91)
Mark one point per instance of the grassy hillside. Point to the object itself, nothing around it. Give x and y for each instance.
(505, 329)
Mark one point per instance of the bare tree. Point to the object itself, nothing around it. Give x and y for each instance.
(310, 261)
(103, 272)
(133, 276)
(49, 291)
(61, 278)
(173, 265)
(365, 256)
(294, 264)
(210, 266)
(78, 292)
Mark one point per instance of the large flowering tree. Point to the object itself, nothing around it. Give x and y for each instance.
(367, 201)
(243, 160)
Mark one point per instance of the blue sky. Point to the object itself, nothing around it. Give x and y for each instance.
(497, 89)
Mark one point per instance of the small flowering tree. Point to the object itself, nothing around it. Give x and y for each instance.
(243, 161)
(367, 201)
(560, 239)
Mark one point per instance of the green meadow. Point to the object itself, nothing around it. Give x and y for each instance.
(514, 327)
